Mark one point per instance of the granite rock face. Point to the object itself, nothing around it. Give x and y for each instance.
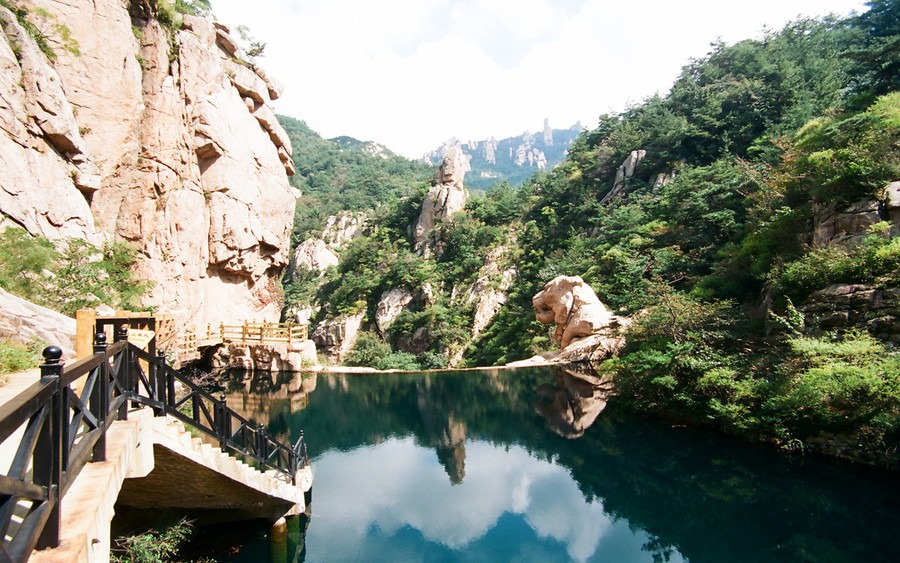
(572, 304)
(46, 176)
(623, 175)
(156, 137)
(445, 198)
(275, 357)
(338, 336)
(313, 254)
(344, 227)
(390, 306)
(25, 322)
(842, 306)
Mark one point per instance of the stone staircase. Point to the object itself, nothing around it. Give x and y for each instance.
(154, 462)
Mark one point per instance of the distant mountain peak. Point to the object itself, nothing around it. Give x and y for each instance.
(513, 159)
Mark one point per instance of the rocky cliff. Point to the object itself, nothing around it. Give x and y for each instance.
(158, 135)
(446, 197)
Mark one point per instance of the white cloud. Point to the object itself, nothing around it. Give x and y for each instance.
(398, 484)
(412, 73)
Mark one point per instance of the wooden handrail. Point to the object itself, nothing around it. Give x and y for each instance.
(252, 332)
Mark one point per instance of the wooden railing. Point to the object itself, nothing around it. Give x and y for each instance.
(62, 431)
(247, 333)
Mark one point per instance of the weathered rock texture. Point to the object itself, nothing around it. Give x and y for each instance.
(849, 224)
(25, 322)
(571, 303)
(156, 137)
(586, 329)
(488, 294)
(274, 357)
(624, 174)
(343, 228)
(445, 198)
(313, 254)
(46, 174)
(337, 337)
(841, 306)
(390, 306)
(317, 254)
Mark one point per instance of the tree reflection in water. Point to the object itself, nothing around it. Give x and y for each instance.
(674, 491)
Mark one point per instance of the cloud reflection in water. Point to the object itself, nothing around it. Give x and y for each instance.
(397, 485)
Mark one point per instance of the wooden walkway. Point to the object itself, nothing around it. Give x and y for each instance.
(183, 343)
(247, 333)
(195, 339)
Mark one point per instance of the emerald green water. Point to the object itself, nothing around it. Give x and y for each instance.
(533, 465)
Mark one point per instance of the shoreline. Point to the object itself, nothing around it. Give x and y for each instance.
(373, 371)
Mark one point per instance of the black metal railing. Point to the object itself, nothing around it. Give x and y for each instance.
(62, 431)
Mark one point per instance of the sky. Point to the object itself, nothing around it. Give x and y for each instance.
(411, 74)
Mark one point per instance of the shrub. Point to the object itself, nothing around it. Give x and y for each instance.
(399, 360)
(368, 351)
(841, 384)
(16, 356)
(433, 360)
(152, 546)
(80, 276)
(876, 259)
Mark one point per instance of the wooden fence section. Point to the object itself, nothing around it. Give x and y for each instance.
(247, 333)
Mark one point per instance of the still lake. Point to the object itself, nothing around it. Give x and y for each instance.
(534, 465)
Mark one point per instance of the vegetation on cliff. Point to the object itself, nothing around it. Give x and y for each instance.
(74, 275)
(709, 242)
(334, 176)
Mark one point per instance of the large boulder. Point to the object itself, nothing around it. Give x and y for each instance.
(572, 304)
(26, 322)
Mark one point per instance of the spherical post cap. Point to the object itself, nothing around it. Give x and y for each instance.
(52, 354)
(100, 338)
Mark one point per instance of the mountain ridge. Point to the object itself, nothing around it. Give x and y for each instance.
(512, 159)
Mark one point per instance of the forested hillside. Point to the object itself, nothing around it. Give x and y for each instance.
(344, 175)
(761, 179)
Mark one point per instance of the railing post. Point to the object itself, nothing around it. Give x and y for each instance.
(304, 457)
(130, 378)
(99, 405)
(48, 460)
(219, 417)
(170, 388)
(262, 444)
(160, 382)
